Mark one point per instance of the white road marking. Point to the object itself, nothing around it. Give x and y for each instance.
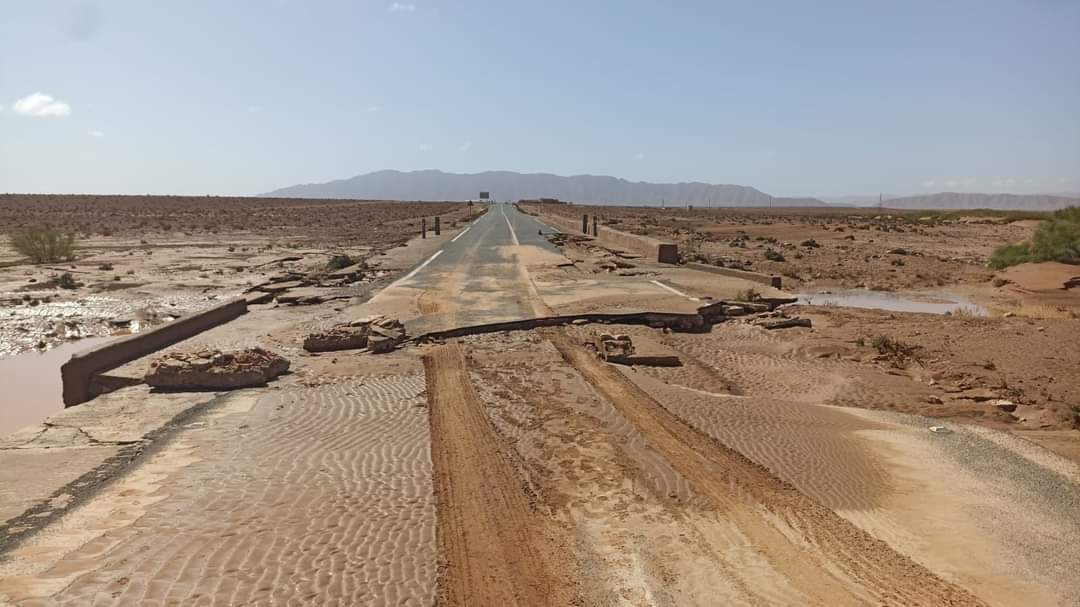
(460, 234)
(420, 267)
(673, 290)
(512, 234)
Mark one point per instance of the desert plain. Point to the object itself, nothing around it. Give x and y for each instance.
(896, 423)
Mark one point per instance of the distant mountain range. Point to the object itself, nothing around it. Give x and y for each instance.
(965, 200)
(508, 185)
(597, 189)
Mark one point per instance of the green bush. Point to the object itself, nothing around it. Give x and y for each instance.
(43, 244)
(773, 255)
(1010, 255)
(1056, 239)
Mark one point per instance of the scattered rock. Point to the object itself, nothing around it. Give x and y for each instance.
(215, 370)
(979, 394)
(1004, 405)
(934, 400)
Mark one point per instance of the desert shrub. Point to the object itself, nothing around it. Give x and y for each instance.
(1056, 239)
(774, 255)
(892, 348)
(67, 281)
(338, 262)
(1010, 255)
(748, 294)
(105, 266)
(964, 312)
(43, 244)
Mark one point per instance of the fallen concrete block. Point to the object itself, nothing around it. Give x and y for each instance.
(341, 337)
(215, 370)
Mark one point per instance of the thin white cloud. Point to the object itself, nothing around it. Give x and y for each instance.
(372, 108)
(402, 7)
(96, 133)
(40, 104)
(465, 147)
(425, 147)
(254, 109)
(928, 184)
(640, 156)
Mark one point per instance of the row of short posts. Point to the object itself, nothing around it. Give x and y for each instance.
(423, 227)
(585, 225)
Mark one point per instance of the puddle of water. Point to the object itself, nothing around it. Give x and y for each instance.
(927, 303)
(30, 387)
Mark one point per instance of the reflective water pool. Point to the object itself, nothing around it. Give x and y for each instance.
(927, 303)
(30, 387)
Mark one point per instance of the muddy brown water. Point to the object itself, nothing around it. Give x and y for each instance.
(30, 386)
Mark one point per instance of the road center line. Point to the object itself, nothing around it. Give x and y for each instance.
(460, 234)
(673, 290)
(512, 234)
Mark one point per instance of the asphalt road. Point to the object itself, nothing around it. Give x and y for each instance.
(475, 277)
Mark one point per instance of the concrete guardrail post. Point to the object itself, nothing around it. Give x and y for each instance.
(423, 227)
(438, 229)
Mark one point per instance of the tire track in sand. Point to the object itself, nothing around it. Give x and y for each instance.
(496, 548)
(825, 557)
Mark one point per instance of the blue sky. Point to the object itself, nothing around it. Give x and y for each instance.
(795, 98)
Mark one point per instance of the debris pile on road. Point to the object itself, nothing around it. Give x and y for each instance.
(611, 347)
(379, 334)
(215, 370)
(385, 334)
(757, 313)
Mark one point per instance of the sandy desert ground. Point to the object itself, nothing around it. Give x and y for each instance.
(767, 467)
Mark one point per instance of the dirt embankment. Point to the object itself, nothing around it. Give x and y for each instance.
(1008, 373)
(822, 248)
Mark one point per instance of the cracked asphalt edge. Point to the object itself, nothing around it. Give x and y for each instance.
(16, 530)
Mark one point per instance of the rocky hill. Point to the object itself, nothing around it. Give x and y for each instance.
(508, 185)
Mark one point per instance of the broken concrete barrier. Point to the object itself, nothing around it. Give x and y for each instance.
(215, 370)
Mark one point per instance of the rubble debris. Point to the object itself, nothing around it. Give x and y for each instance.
(379, 334)
(341, 337)
(781, 322)
(215, 370)
(610, 346)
